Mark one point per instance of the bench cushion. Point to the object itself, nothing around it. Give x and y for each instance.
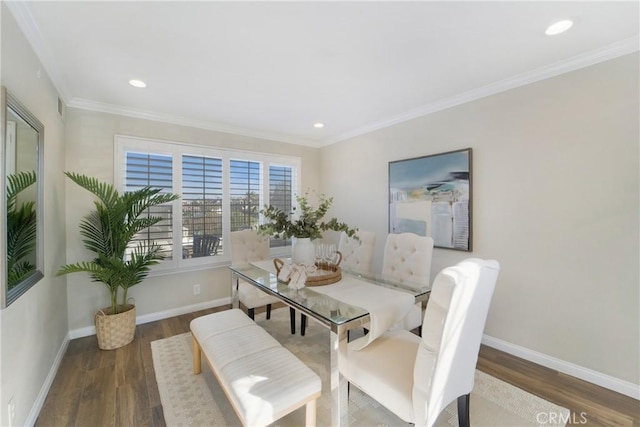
(215, 323)
(266, 385)
(228, 346)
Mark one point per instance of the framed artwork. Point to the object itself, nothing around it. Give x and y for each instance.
(431, 196)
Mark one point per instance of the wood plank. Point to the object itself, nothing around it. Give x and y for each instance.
(128, 364)
(148, 333)
(132, 406)
(125, 414)
(101, 358)
(97, 404)
(61, 405)
(171, 327)
(158, 416)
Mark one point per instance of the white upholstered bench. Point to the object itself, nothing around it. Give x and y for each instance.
(263, 380)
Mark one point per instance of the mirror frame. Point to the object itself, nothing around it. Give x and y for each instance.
(7, 100)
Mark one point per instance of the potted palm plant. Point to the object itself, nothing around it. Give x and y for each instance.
(304, 227)
(108, 232)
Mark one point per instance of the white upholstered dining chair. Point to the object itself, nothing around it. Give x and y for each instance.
(248, 246)
(357, 254)
(407, 258)
(417, 377)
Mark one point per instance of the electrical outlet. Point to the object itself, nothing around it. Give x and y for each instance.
(196, 289)
(12, 411)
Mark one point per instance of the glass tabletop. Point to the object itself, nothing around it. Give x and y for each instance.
(321, 306)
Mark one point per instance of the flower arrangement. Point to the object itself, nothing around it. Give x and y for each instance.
(309, 223)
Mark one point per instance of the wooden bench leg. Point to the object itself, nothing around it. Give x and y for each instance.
(310, 414)
(197, 360)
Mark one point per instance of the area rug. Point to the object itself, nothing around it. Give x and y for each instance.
(197, 400)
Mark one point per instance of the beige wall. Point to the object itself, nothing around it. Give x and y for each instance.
(90, 150)
(34, 327)
(555, 201)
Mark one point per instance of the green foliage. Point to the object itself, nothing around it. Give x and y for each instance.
(108, 231)
(21, 229)
(309, 223)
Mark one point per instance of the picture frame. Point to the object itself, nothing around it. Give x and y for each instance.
(432, 196)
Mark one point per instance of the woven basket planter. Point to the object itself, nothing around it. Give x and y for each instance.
(115, 330)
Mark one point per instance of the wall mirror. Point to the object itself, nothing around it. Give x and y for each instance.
(22, 137)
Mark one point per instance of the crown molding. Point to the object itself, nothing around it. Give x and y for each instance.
(22, 14)
(87, 104)
(612, 51)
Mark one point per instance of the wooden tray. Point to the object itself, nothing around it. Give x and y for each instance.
(324, 274)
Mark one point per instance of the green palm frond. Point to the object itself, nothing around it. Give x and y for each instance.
(21, 232)
(18, 272)
(95, 233)
(107, 193)
(17, 182)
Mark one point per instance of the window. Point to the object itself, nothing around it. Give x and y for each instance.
(221, 191)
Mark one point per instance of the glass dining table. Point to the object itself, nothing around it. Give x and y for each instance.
(335, 314)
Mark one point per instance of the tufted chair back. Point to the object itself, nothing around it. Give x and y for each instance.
(417, 377)
(453, 325)
(358, 255)
(407, 257)
(247, 246)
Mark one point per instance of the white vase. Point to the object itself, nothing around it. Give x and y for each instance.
(303, 251)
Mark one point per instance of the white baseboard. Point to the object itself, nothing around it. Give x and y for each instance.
(612, 383)
(46, 386)
(152, 317)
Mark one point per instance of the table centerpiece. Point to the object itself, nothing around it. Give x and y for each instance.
(302, 227)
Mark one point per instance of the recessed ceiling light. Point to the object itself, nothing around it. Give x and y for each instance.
(559, 27)
(137, 83)
(318, 125)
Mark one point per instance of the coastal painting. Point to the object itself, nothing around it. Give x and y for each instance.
(431, 196)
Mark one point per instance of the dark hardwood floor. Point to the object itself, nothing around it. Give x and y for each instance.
(95, 388)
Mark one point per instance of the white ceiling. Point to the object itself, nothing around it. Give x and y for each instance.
(273, 69)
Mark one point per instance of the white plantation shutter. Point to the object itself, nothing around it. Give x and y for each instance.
(281, 194)
(152, 170)
(245, 192)
(202, 193)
